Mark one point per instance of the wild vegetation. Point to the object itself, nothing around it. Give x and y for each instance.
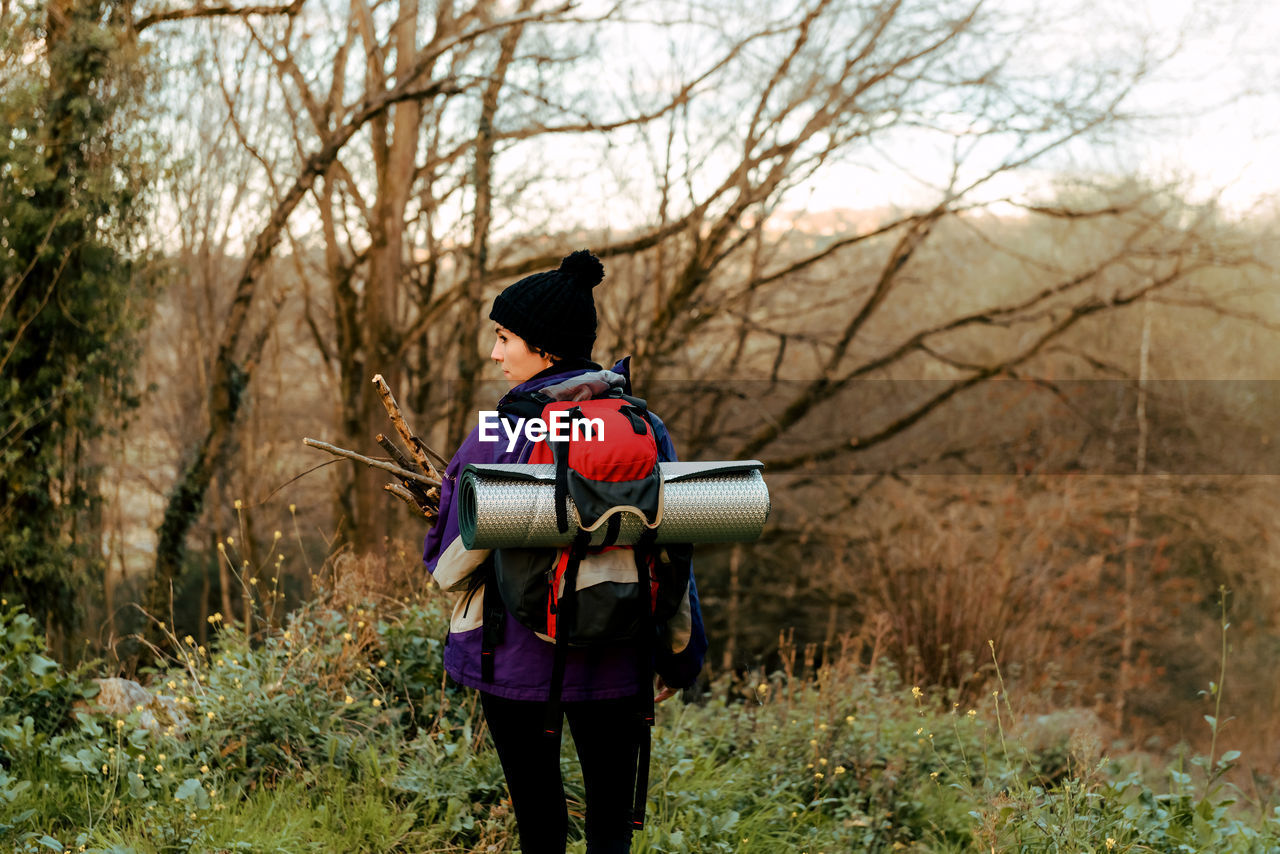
(1021, 402)
(337, 731)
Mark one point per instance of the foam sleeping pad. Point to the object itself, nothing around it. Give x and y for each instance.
(513, 506)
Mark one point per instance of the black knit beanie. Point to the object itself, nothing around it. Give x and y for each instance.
(554, 311)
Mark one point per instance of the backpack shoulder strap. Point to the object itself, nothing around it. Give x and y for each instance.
(525, 405)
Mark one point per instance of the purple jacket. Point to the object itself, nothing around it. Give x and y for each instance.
(522, 662)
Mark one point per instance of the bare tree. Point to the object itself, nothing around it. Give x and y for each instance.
(387, 97)
(435, 153)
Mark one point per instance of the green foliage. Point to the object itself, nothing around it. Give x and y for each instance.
(335, 732)
(34, 692)
(71, 295)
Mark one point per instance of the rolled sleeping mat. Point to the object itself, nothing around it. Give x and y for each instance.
(504, 506)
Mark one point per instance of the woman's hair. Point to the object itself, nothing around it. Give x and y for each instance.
(546, 354)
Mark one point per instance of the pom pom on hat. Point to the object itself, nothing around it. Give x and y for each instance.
(554, 311)
(583, 268)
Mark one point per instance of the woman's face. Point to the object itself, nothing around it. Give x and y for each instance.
(517, 361)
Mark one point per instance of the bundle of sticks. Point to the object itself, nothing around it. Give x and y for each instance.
(415, 470)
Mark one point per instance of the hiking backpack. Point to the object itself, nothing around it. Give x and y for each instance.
(595, 592)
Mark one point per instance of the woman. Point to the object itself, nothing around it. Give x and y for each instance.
(545, 326)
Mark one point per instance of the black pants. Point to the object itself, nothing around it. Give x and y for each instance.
(607, 735)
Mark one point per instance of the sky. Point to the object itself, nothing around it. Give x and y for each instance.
(1213, 109)
(1211, 114)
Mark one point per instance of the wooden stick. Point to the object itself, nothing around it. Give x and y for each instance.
(426, 498)
(409, 498)
(399, 456)
(416, 446)
(403, 474)
(441, 462)
(421, 493)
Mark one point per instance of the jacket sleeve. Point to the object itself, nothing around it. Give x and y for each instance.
(681, 669)
(448, 561)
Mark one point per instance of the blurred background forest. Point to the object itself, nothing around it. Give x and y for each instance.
(1010, 375)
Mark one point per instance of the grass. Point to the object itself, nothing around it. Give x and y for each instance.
(336, 732)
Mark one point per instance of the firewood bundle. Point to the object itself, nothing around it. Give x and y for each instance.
(415, 470)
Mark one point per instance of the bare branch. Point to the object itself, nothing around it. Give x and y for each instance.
(215, 12)
(1071, 318)
(370, 461)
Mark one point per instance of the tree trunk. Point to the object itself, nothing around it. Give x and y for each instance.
(395, 159)
(232, 373)
(470, 361)
(1131, 529)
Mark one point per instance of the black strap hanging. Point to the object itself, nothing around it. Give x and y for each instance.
(565, 608)
(494, 616)
(644, 673)
(611, 530)
(560, 452)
